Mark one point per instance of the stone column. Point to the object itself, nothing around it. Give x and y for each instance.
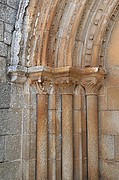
(41, 76)
(92, 83)
(42, 136)
(67, 137)
(67, 130)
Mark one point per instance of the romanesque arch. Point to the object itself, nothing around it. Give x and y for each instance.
(57, 47)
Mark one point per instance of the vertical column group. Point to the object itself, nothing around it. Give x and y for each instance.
(57, 135)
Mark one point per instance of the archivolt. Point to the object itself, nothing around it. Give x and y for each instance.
(54, 32)
(96, 32)
(107, 35)
(48, 32)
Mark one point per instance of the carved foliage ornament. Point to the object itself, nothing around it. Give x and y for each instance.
(92, 82)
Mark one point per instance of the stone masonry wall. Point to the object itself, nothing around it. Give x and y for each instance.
(17, 129)
(10, 128)
(109, 111)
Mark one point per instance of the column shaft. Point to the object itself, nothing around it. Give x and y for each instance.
(92, 135)
(52, 137)
(42, 136)
(67, 138)
(58, 138)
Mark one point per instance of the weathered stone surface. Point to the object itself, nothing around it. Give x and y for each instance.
(76, 146)
(112, 51)
(9, 56)
(7, 38)
(1, 30)
(107, 151)
(112, 78)
(109, 122)
(77, 123)
(3, 11)
(10, 121)
(51, 147)
(29, 170)
(60, 33)
(117, 148)
(2, 148)
(4, 95)
(67, 138)
(52, 102)
(103, 102)
(42, 136)
(109, 170)
(51, 121)
(29, 147)
(77, 102)
(10, 15)
(29, 121)
(52, 169)
(3, 1)
(18, 99)
(3, 49)
(13, 3)
(2, 69)
(11, 171)
(9, 27)
(113, 98)
(12, 147)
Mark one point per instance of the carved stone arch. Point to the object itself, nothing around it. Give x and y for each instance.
(107, 35)
(67, 32)
(45, 39)
(40, 30)
(81, 32)
(34, 39)
(96, 32)
(51, 40)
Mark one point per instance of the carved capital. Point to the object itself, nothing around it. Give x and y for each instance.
(92, 80)
(66, 79)
(65, 87)
(62, 80)
(44, 87)
(42, 77)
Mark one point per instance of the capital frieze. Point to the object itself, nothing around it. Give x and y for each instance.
(63, 80)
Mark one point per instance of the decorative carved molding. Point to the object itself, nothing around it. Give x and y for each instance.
(92, 80)
(42, 77)
(91, 84)
(66, 87)
(64, 80)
